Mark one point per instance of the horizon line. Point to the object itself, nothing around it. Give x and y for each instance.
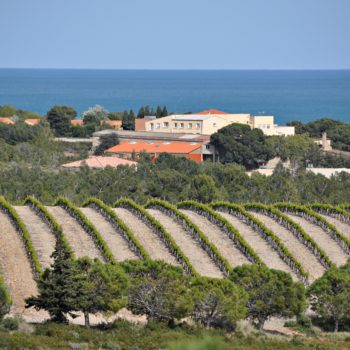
(177, 69)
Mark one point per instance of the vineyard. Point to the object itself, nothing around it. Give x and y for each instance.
(207, 240)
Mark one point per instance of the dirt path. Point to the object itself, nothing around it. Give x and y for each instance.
(341, 226)
(115, 241)
(219, 238)
(16, 270)
(79, 240)
(40, 233)
(197, 256)
(323, 239)
(299, 250)
(265, 252)
(148, 239)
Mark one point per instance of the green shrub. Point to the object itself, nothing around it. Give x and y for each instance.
(10, 323)
(5, 299)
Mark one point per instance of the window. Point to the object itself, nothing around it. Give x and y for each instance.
(165, 124)
(152, 126)
(157, 125)
(214, 124)
(190, 125)
(198, 125)
(181, 125)
(175, 125)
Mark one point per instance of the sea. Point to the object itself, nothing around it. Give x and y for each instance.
(288, 95)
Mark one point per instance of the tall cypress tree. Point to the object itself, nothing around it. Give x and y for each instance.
(164, 112)
(159, 112)
(57, 286)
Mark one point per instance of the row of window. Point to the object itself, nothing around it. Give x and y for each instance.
(264, 126)
(165, 125)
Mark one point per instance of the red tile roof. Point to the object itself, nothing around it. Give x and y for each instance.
(155, 147)
(6, 120)
(76, 122)
(211, 111)
(99, 162)
(32, 121)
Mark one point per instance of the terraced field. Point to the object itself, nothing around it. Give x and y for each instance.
(201, 245)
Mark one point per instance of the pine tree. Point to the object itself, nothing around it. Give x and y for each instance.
(165, 112)
(159, 112)
(141, 113)
(57, 286)
(102, 287)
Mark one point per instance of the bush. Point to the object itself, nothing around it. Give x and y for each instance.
(5, 300)
(10, 323)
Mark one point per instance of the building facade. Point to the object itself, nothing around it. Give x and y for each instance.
(209, 122)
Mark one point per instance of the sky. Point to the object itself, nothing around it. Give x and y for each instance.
(175, 34)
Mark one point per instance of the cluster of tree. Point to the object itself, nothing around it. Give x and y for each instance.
(20, 132)
(145, 111)
(33, 169)
(60, 117)
(8, 111)
(164, 293)
(23, 146)
(238, 143)
(337, 131)
(128, 117)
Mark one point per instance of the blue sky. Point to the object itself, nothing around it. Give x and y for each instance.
(175, 34)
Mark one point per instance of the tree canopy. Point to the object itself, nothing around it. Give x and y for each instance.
(218, 302)
(159, 291)
(238, 143)
(271, 293)
(330, 296)
(59, 118)
(106, 141)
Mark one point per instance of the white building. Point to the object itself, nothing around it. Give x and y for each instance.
(209, 122)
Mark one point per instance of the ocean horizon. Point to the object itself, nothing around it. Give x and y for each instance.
(287, 94)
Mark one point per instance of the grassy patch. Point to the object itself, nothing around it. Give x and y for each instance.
(125, 336)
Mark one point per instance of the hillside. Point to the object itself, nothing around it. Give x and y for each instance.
(209, 241)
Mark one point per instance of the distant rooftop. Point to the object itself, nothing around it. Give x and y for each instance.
(33, 121)
(211, 111)
(6, 120)
(151, 135)
(99, 162)
(155, 147)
